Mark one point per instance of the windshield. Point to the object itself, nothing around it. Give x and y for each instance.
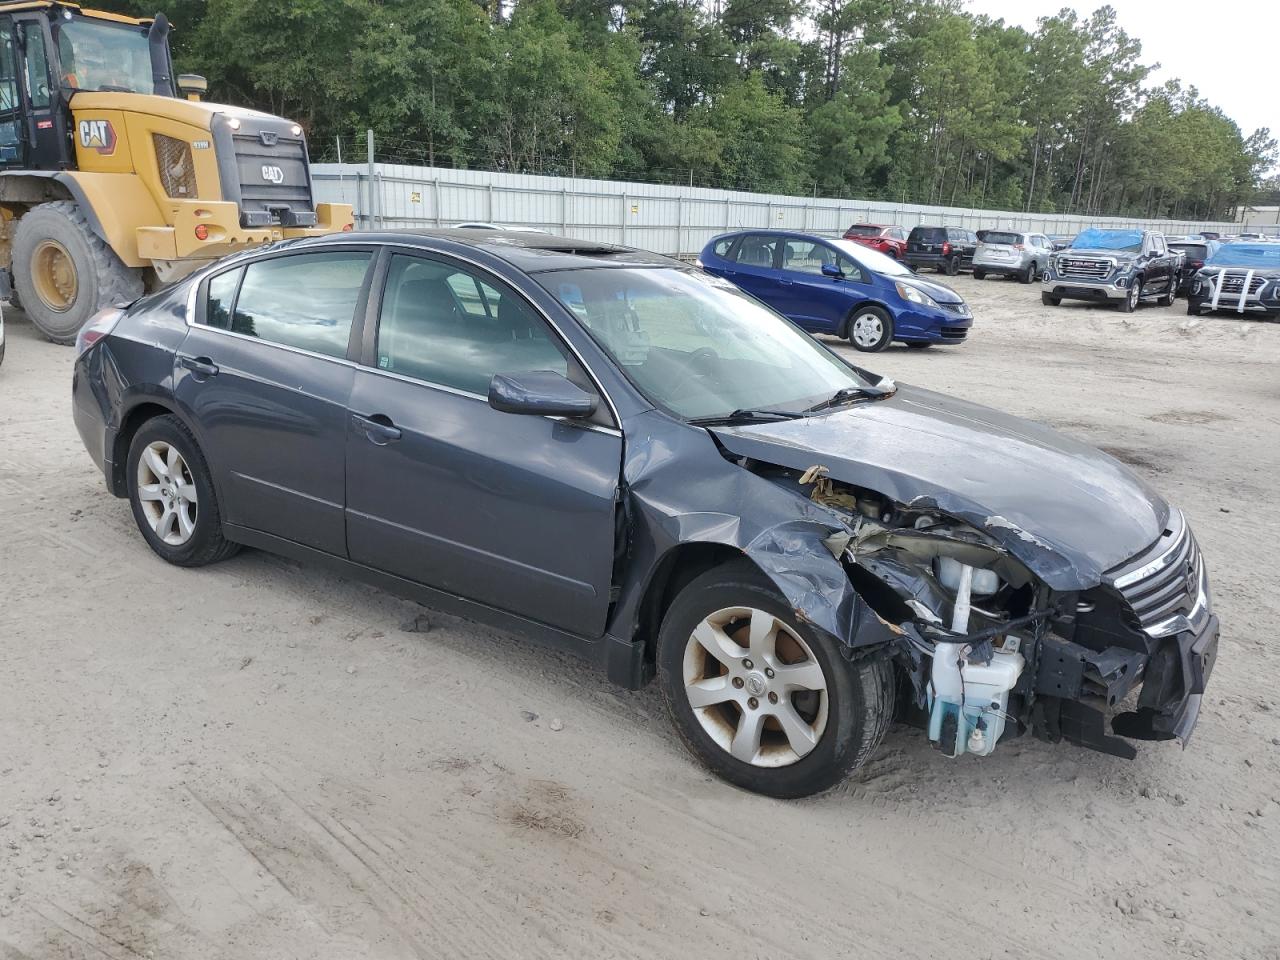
(865, 230)
(995, 236)
(104, 56)
(872, 260)
(1126, 241)
(1264, 256)
(696, 345)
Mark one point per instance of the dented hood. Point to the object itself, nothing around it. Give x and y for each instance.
(1064, 508)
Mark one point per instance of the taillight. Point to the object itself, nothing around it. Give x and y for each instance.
(946, 248)
(1197, 264)
(202, 231)
(1018, 246)
(97, 327)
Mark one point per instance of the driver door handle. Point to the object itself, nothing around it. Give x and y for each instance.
(377, 429)
(200, 366)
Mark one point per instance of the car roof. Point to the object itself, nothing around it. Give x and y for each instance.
(528, 251)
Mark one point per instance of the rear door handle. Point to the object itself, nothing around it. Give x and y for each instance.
(378, 429)
(200, 366)
(786, 283)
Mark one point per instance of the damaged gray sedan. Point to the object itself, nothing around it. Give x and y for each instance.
(618, 455)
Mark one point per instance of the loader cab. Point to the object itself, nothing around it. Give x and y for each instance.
(49, 53)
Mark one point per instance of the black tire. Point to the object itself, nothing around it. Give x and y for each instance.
(886, 329)
(1166, 298)
(1049, 300)
(100, 278)
(1194, 307)
(918, 344)
(206, 544)
(1029, 275)
(979, 274)
(952, 267)
(860, 693)
(1132, 298)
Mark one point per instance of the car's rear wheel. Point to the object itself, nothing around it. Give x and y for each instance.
(870, 329)
(952, 266)
(979, 274)
(759, 696)
(1166, 298)
(171, 493)
(1049, 300)
(1028, 275)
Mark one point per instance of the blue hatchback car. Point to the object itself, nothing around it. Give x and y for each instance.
(838, 287)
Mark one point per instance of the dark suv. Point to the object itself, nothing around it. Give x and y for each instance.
(947, 249)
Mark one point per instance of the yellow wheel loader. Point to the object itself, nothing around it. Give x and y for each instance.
(111, 183)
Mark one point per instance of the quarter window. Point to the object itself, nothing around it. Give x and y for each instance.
(306, 300)
(721, 249)
(757, 250)
(441, 323)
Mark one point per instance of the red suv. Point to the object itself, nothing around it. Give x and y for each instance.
(889, 240)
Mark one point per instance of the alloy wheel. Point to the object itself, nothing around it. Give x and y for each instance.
(755, 687)
(167, 493)
(867, 329)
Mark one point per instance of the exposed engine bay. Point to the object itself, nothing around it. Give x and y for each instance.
(987, 649)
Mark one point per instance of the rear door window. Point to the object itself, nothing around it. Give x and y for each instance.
(303, 300)
(758, 250)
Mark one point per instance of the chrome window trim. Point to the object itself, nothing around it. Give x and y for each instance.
(193, 299)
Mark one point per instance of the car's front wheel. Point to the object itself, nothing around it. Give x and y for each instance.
(1194, 306)
(870, 329)
(1131, 299)
(1049, 300)
(172, 495)
(759, 696)
(979, 274)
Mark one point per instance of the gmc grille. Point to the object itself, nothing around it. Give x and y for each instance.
(1164, 580)
(1084, 268)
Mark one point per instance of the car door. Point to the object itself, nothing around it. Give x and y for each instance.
(805, 294)
(513, 511)
(264, 372)
(756, 267)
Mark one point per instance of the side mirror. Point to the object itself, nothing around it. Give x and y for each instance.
(539, 392)
(831, 270)
(192, 85)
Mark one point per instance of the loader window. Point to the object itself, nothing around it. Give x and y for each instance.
(96, 55)
(10, 147)
(37, 66)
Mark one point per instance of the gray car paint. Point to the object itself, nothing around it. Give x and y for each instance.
(565, 530)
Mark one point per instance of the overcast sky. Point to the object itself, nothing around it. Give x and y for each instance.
(1226, 48)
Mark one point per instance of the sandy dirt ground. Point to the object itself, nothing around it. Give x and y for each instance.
(260, 759)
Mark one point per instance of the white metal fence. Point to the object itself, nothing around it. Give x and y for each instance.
(666, 219)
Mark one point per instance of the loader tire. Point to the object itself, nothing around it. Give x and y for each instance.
(64, 273)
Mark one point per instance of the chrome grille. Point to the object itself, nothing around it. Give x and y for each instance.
(1084, 268)
(1234, 283)
(1164, 585)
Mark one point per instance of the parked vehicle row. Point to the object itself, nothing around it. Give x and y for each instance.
(626, 457)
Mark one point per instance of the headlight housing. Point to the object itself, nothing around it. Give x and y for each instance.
(915, 295)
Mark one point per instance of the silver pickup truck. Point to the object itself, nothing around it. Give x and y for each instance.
(1123, 267)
